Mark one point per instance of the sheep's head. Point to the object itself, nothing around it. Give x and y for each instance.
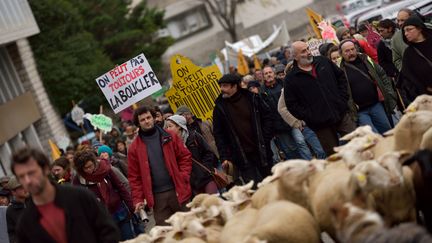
(370, 175)
(355, 151)
(359, 132)
(295, 171)
(197, 200)
(240, 194)
(392, 162)
(422, 102)
(352, 222)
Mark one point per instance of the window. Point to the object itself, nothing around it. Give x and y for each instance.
(188, 23)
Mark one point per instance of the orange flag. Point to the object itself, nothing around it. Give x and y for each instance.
(257, 63)
(242, 64)
(55, 151)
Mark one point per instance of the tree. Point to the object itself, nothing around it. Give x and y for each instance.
(82, 39)
(225, 12)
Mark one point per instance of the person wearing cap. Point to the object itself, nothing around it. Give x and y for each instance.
(56, 213)
(417, 59)
(201, 180)
(363, 46)
(118, 160)
(370, 89)
(242, 128)
(204, 128)
(16, 207)
(159, 168)
(254, 86)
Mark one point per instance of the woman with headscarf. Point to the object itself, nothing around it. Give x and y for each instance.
(96, 175)
(201, 180)
(417, 59)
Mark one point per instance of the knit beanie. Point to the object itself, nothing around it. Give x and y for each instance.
(180, 121)
(414, 20)
(230, 78)
(183, 109)
(340, 31)
(105, 149)
(253, 83)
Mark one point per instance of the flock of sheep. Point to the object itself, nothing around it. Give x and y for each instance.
(374, 189)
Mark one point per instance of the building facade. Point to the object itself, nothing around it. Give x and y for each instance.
(26, 114)
(198, 32)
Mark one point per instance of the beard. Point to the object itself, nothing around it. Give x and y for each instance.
(306, 60)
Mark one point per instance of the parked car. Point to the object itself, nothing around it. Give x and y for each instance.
(388, 11)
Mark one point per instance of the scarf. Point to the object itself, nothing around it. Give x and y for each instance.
(99, 177)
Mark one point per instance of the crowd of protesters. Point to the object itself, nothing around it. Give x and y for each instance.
(295, 107)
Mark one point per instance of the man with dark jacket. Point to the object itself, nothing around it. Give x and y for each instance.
(282, 131)
(159, 168)
(316, 92)
(369, 87)
(16, 207)
(242, 129)
(57, 213)
(387, 29)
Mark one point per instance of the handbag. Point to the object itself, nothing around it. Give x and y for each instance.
(219, 177)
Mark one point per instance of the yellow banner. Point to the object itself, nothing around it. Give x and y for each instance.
(55, 151)
(242, 64)
(314, 20)
(193, 86)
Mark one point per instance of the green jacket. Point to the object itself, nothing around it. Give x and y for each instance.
(398, 47)
(383, 82)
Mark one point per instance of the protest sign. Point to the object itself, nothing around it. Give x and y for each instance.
(193, 86)
(128, 83)
(314, 45)
(77, 115)
(100, 121)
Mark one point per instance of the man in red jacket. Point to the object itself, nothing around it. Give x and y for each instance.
(159, 168)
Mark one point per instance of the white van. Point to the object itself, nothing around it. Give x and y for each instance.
(389, 11)
(351, 6)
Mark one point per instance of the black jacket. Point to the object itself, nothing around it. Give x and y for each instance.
(272, 99)
(321, 101)
(13, 213)
(86, 219)
(385, 59)
(202, 153)
(227, 141)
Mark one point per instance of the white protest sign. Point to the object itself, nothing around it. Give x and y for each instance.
(128, 83)
(314, 45)
(77, 115)
(62, 141)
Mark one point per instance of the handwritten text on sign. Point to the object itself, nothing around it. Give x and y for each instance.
(128, 83)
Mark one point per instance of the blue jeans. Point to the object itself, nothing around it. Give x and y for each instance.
(376, 117)
(304, 137)
(287, 144)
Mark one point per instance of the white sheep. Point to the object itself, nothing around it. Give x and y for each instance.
(361, 131)
(397, 202)
(288, 182)
(356, 150)
(284, 221)
(421, 103)
(239, 226)
(338, 184)
(240, 194)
